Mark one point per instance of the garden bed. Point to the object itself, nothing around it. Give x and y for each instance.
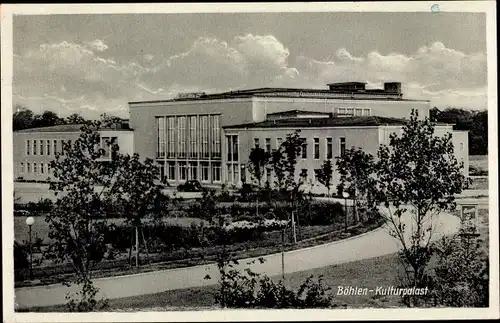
(312, 235)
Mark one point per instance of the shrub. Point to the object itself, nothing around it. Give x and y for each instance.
(21, 262)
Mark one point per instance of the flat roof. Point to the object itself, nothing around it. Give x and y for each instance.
(65, 128)
(324, 122)
(374, 94)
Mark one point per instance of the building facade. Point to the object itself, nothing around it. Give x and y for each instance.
(189, 136)
(35, 148)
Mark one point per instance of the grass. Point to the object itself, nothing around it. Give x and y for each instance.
(478, 164)
(370, 273)
(52, 273)
(40, 228)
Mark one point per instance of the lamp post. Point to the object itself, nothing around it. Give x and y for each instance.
(346, 196)
(29, 221)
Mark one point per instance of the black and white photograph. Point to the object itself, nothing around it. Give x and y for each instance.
(274, 161)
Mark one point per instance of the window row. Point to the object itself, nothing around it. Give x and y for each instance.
(355, 112)
(34, 168)
(191, 170)
(42, 147)
(303, 151)
(196, 136)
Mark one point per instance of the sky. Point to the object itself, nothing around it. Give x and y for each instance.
(93, 64)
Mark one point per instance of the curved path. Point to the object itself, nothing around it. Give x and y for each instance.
(371, 244)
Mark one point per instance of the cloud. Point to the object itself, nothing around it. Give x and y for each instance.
(97, 45)
(433, 71)
(72, 76)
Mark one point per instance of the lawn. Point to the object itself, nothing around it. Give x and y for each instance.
(478, 164)
(41, 228)
(370, 273)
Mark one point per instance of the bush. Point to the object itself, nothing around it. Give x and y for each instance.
(21, 262)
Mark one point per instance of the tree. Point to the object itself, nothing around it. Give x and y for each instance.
(356, 168)
(278, 167)
(47, 119)
(75, 118)
(419, 173)
(258, 160)
(139, 193)
(325, 174)
(111, 121)
(22, 118)
(77, 221)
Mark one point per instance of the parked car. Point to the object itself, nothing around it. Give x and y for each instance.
(190, 186)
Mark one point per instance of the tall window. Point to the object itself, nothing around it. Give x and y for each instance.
(171, 137)
(316, 148)
(106, 143)
(341, 111)
(35, 169)
(49, 150)
(232, 148)
(171, 170)
(42, 168)
(204, 171)
(342, 146)
(268, 145)
(193, 170)
(22, 168)
(28, 168)
(216, 172)
(268, 175)
(28, 147)
(42, 147)
(192, 137)
(181, 133)
(366, 112)
(256, 142)
(35, 147)
(350, 111)
(54, 143)
(216, 136)
(279, 141)
(329, 148)
(182, 171)
(204, 137)
(358, 112)
(462, 146)
(303, 149)
(160, 138)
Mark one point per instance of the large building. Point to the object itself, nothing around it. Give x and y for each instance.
(208, 137)
(35, 148)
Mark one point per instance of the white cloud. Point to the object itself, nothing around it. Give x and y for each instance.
(97, 45)
(77, 76)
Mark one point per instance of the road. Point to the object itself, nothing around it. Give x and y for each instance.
(372, 244)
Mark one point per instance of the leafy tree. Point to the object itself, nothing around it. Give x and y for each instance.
(278, 167)
(22, 118)
(75, 118)
(258, 160)
(112, 121)
(292, 147)
(356, 168)
(474, 121)
(139, 192)
(461, 275)
(77, 221)
(47, 119)
(325, 174)
(417, 175)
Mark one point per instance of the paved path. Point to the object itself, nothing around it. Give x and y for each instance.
(372, 244)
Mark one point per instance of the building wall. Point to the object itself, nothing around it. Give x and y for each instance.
(389, 108)
(461, 144)
(143, 121)
(22, 159)
(365, 138)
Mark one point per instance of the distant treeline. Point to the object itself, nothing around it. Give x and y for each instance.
(24, 118)
(476, 122)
